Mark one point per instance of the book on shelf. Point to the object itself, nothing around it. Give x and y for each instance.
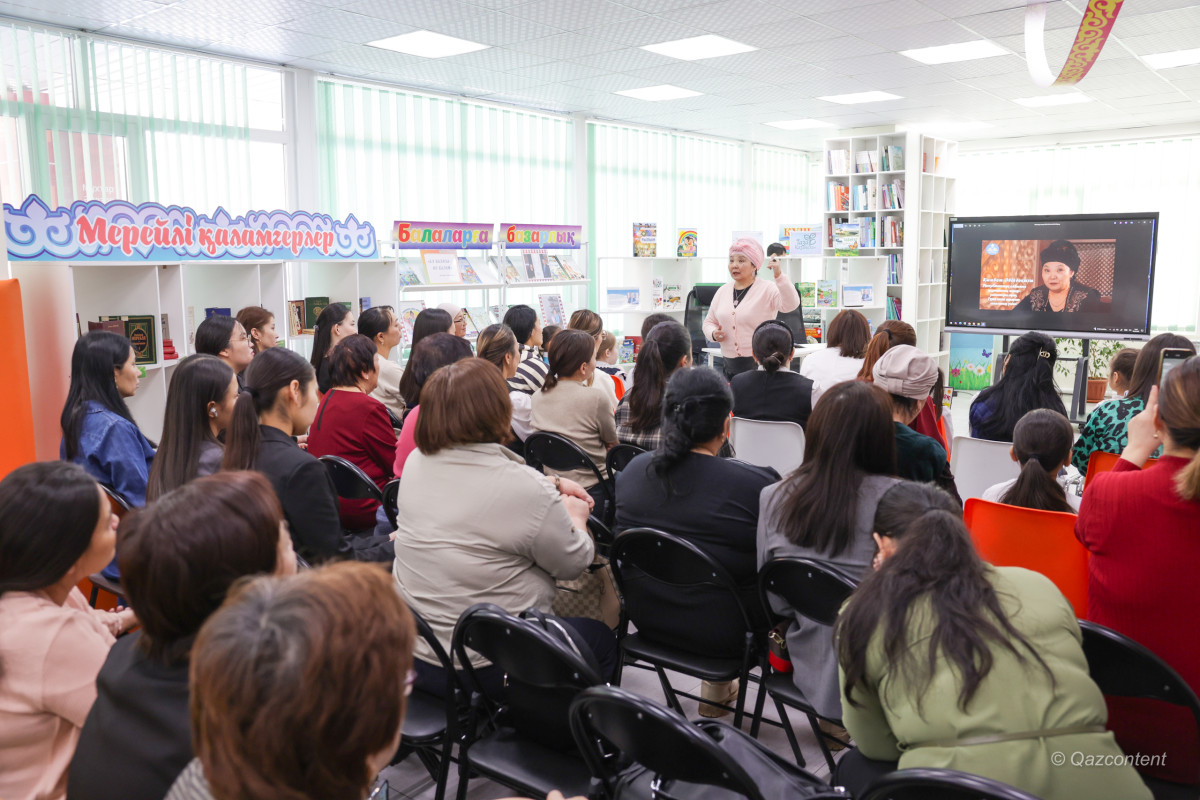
(476, 319)
(363, 304)
(313, 306)
(845, 239)
(893, 308)
(827, 294)
(620, 298)
(406, 314)
(296, 318)
(645, 239)
(544, 268)
(217, 311)
(568, 263)
(110, 324)
(892, 159)
(866, 232)
(531, 268)
(895, 268)
(558, 270)
(892, 195)
(496, 313)
(672, 297)
(139, 330)
(864, 161)
(857, 295)
(552, 310)
(686, 243)
(441, 267)
(893, 232)
(503, 265)
(625, 351)
(808, 294)
(656, 293)
(168, 348)
(864, 195)
(830, 224)
(837, 196)
(467, 272)
(837, 162)
(406, 271)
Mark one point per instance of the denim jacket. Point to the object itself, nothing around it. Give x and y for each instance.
(113, 451)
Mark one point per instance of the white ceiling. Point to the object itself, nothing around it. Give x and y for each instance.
(571, 55)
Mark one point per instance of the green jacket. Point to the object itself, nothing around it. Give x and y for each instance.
(1013, 698)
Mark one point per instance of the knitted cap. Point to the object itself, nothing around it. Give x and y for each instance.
(906, 371)
(750, 248)
(1061, 251)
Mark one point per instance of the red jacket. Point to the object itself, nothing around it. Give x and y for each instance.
(356, 427)
(1145, 546)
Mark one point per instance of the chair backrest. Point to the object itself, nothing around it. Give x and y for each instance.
(644, 559)
(619, 457)
(695, 309)
(601, 534)
(456, 690)
(391, 501)
(120, 506)
(813, 589)
(768, 444)
(543, 674)
(544, 449)
(1122, 667)
(349, 481)
(606, 718)
(1104, 462)
(1043, 541)
(925, 783)
(396, 422)
(979, 464)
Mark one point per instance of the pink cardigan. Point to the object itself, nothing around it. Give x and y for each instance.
(764, 300)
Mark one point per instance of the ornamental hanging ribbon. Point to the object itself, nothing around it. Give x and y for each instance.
(1094, 28)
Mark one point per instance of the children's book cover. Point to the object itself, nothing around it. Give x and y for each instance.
(645, 239)
(687, 247)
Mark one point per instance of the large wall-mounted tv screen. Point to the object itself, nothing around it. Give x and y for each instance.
(1086, 275)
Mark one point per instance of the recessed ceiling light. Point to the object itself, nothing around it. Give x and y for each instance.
(1175, 58)
(859, 97)
(963, 51)
(697, 47)
(428, 44)
(662, 92)
(1053, 100)
(943, 126)
(799, 124)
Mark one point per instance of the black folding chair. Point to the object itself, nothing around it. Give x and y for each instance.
(99, 581)
(432, 723)
(940, 784)
(349, 481)
(601, 535)
(816, 591)
(619, 457)
(397, 423)
(545, 450)
(658, 574)
(614, 727)
(391, 493)
(1122, 667)
(525, 740)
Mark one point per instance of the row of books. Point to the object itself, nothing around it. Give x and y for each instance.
(139, 330)
(645, 241)
(440, 268)
(837, 196)
(824, 294)
(892, 195)
(837, 162)
(889, 159)
(864, 196)
(893, 232)
(892, 158)
(893, 307)
(849, 236)
(864, 161)
(895, 268)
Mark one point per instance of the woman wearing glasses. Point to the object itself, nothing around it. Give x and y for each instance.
(225, 338)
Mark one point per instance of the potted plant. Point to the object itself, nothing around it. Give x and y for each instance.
(1100, 353)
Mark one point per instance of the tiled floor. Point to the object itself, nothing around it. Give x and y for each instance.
(410, 780)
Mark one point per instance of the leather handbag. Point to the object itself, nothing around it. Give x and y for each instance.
(592, 595)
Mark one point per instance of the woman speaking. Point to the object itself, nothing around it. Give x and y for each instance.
(744, 303)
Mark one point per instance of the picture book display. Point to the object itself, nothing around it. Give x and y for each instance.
(496, 313)
(845, 239)
(363, 304)
(686, 243)
(313, 306)
(476, 319)
(827, 294)
(672, 297)
(808, 294)
(552, 310)
(656, 293)
(406, 314)
(407, 272)
(139, 330)
(217, 311)
(800, 240)
(441, 267)
(168, 347)
(645, 239)
(466, 271)
(295, 309)
(857, 295)
(568, 264)
(619, 298)
(505, 266)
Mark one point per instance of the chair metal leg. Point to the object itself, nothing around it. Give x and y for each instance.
(791, 734)
(816, 728)
(668, 690)
(739, 710)
(760, 702)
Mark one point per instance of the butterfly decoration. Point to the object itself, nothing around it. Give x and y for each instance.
(986, 354)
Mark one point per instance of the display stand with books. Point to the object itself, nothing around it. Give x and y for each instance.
(554, 282)
(632, 287)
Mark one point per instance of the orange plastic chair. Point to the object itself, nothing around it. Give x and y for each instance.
(1043, 541)
(1104, 462)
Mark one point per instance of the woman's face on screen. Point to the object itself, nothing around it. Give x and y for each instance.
(1056, 275)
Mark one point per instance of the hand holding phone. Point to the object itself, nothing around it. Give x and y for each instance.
(1170, 358)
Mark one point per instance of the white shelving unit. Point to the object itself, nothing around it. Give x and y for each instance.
(631, 271)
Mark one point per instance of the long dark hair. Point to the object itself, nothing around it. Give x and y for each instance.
(495, 343)
(696, 405)
(934, 557)
(253, 318)
(850, 435)
(1145, 368)
(331, 315)
(772, 345)
(268, 374)
(570, 349)
(198, 380)
(1041, 442)
(1027, 383)
(436, 350)
(375, 320)
(667, 344)
(429, 322)
(93, 360)
(214, 334)
(48, 513)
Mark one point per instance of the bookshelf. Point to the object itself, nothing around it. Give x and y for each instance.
(640, 272)
(892, 194)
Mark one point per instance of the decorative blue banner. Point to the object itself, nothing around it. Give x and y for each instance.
(121, 231)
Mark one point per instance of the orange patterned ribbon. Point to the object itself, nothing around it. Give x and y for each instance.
(1094, 28)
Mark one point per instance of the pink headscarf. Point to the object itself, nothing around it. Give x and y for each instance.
(750, 248)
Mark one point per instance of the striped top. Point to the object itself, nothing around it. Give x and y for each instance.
(191, 784)
(531, 372)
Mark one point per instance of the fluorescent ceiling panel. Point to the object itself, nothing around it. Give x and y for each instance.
(859, 97)
(1175, 58)
(949, 53)
(1043, 100)
(662, 92)
(428, 44)
(799, 124)
(697, 47)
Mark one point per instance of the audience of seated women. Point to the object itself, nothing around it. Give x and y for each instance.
(685, 489)
(299, 687)
(225, 338)
(1143, 530)
(648, 325)
(178, 559)
(498, 344)
(908, 375)
(1026, 382)
(1106, 428)
(824, 510)
(951, 663)
(532, 371)
(431, 354)
(200, 403)
(381, 325)
(773, 392)
(334, 323)
(278, 404)
(477, 525)
(259, 325)
(566, 405)
(591, 323)
(1042, 446)
(892, 332)
(99, 433)
(842, 358)
(56, 528)
(639, 416)
(352, 424)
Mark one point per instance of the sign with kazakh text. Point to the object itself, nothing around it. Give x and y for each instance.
(121, 231)
(442, 235)
(541, 237)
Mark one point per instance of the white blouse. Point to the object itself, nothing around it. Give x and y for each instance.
(828, 367)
